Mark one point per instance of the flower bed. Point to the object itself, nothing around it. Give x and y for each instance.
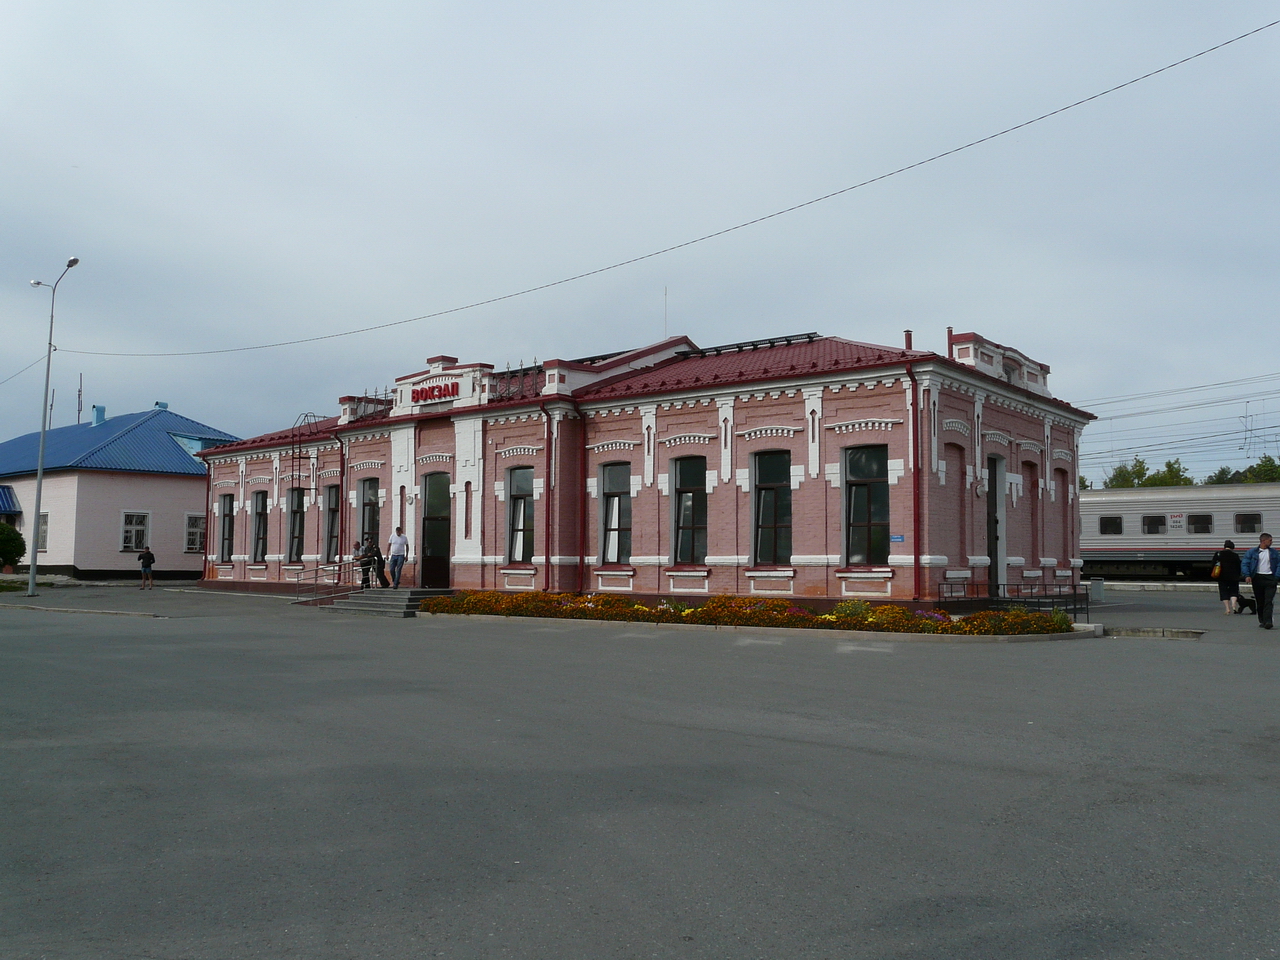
(749, 612)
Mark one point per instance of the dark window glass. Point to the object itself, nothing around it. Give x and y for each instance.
(1154, 524)
(297, 523)
(228, 519)
(1200, 523)
(615, 480)
(773, 508)
(520, 498)
(332, 529)
(691, 510)
(1248, 523)
(436, 520)
(370, 515)
(260, 526)
(867, 505)
(1111, 526)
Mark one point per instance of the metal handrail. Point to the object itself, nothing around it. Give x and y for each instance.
(1071, 597)
(327, 580)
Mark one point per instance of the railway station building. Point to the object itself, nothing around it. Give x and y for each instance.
(800, 466)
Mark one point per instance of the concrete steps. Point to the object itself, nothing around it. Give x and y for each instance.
(383, 603)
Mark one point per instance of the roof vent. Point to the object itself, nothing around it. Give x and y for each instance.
(99, 414)
(161, 405)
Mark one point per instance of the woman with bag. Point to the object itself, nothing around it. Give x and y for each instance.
(1226, 570)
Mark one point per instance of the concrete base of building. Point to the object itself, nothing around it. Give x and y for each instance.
(129, 573)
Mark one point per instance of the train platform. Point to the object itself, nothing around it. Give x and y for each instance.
(1178, 611)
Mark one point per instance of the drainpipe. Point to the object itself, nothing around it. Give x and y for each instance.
(915, 476)
(208, 515)
(584, 507)
(546, 524)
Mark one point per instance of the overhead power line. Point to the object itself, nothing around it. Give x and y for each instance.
(23, 370)
(704, 237)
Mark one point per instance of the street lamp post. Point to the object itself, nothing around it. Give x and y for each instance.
(33, 547)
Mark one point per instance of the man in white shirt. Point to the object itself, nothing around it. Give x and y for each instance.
(1260, 567)
(397, 550)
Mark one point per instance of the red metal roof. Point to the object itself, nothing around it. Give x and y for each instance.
(821, 355)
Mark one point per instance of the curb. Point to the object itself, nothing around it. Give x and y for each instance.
(1159, 633)
(803, 633)
(112, 613)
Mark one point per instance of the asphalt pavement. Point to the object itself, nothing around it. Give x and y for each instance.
(207, 776)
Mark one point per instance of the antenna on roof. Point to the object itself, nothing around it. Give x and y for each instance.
(664, 313)
(80, 399)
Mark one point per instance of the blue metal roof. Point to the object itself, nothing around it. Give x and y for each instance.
(132, 442)
(9, 500)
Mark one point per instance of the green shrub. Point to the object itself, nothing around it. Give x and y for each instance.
(12, 545)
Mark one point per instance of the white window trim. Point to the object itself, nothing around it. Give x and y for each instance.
(146, 530)
(186, 529)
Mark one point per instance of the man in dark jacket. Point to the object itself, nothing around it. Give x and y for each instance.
(1260, 567)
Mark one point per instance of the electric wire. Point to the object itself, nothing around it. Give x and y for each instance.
(703, 238)
(23, 370)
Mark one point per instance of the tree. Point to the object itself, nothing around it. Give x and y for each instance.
(1225, 475)
(12, 546)
(1174, 474)
(1127, 475)
(1084, 483)
(1266, 470)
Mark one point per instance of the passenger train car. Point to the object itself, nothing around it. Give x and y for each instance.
(1172, 532)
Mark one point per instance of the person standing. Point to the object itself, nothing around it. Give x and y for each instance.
(1260, 566)
(365, 557)
(1228, 563)
(147, 559)
(397, 550)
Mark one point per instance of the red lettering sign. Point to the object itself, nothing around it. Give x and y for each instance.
(437, 391)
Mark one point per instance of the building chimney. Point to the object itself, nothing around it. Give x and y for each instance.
(906, 336)
(951, 350)
(99, 414)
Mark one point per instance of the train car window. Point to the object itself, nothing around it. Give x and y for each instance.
(1248, 523)
(1111, 526)
(1156, 524)
(1199, 523)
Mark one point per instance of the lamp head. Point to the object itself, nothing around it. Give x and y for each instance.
(36, 283)
(72, 262)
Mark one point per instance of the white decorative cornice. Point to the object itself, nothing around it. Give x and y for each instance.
(435, 457)
(679, 438)
(855, 426)
(1031, 445)
(367, 464)
(520, 451)
(995, 436)
(756, 432)
(226, 483)
(325, 474)
(1063, 455)
(261, 480)
(613, 445)
(959, 426)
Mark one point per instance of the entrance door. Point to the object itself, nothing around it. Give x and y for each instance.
(434, 559)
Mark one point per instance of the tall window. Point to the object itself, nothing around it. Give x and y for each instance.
(691, 509)
(520, 538)
(227, 511)
(195, 533)
(135, 531)
(773, 508)
(616, 483)
(866, 505)
(332, 519)
(370, 521)
(42, 533)
(297, 523)
(260, 526)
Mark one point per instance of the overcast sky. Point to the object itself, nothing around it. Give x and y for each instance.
(236, 174)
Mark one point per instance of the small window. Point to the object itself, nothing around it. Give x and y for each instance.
(520, 533)
(228, 516)
(616, 481)
(135, 531)
(691, 510)
(1248, 523)
(1155, 524)
(1199, 523)
(195, 533)
(260, 526)
(1111, 526)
